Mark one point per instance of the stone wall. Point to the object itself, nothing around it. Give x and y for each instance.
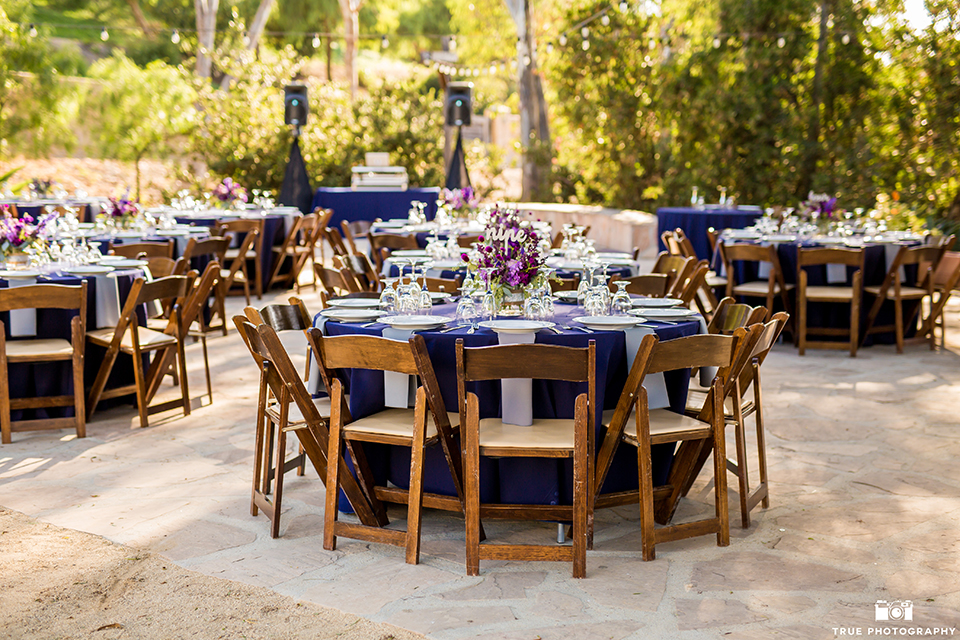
(612, 229)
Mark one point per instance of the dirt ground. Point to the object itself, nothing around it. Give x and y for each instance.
(59, 583)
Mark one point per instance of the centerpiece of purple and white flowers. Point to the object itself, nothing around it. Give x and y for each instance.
(17, 235)
(229, 192)
(123, 211)
(509, 258)
(458, 203)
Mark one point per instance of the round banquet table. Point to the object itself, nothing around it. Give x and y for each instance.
(515, 480)
(56, 378)
(695, 223)
(370, 204)
(876, 257)
(34, 208)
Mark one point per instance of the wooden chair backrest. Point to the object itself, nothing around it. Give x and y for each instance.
(565, 284)
(447, 285)
(830, 255)
(730, 316)
(731, 253)
(393, 241)
(946, 274)
(335, 240)
(365, 352)
(683, 243)
(45, 296)
(214, 246)
(467, 241)
(200, 293)
(224, 227)
(677, 268)
(650, 284)
(712, 237)
(670, 242)
(161, 267)
(354, 230)
(149, 249)
(176, 287)
(703, 350)
(331, 281)
(282, 317)
(761, 349)
(694, 283)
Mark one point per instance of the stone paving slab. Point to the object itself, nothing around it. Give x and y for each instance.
(865, 506)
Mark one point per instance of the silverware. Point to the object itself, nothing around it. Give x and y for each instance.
(473, 328)
(370, 324)
(456, 326)
(571, 328)
(555, 330)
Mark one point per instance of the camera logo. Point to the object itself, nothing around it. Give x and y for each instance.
(896, 610)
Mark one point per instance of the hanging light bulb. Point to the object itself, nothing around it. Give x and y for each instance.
(845, 39)
(526, 61)
(586, 45)
(653, 44)
(384, 43)
(605, 20)
(781, 42)
(562, 39)
(175, 38)
(316, 40)
(493, 69)
(716, 43)
(624, 7)
(585, 32)
(453, 45)
(104, 34)
(33, 31)
(549, 47)
(334, 44)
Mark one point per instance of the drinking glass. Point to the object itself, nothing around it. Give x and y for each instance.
(388, 297)
(622, 303)
(466, 310)
(533, 308)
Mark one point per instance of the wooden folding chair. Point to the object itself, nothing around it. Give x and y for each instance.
(131, 339)
(354, 230)
(649, 284)
(331, 282)
(357, 273)
(399, 427)
(143, 249)
(467, 241)
(634, 423)
(677, 268)
(946, 279)
(731, 316)
(926, 259)
(771, 289)
(829, 294)
(249, 249)
(444, 285)
(390, 242)
(335, 240)
(695, 284)
(298, 247)
(279, 376)
(545, 438)
(212, 249)
(43, 350)
(193, 311)
(565, 284)
(161, 267)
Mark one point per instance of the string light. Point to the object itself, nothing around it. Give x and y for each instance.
(104, 34)
(624, 7)
(562, 39)
(781, 42)
(845, 39)
(585, 32)
(316, 40)
(175, 38)
(605, 20)
(716, 43)
(384, 43)
(33, 31)
(453, 44)
(585, 45)
(549, 47)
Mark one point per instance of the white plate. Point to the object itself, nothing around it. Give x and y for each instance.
(87, 270)
(780, 238)
(566, 296)
(449, 264)
(438, 296)
(18, 274)
(614, 255)
(665, 314)
(608, 323)
(355, 303)
(656, 303)
(174, 232)
(126, 263)
(741, 233)
(351, 315)
(415, 323)
(409, 253)
(397, 223)
(828, 240)
(515, 326)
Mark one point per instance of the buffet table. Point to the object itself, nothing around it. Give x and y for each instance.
(369, 204)
(515, 480)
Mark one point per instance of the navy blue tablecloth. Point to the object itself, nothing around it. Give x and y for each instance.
(516, 480)
(351, 205)
(273, 235)
(695, 223)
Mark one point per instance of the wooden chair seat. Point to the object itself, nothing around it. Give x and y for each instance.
(39, 350)
(713, 280)
(666, 426)
(759, 288)
(912, 293)
(295, 417)
(235, 253)
(542, 436)
(830, 293)
(696, 398)
(396, 423)
(148, 338)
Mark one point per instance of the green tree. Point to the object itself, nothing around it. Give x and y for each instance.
(143, 112)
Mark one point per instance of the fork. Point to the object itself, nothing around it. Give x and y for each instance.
(571, 328)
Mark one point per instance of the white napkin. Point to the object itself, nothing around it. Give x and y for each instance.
(23, 322)
(707, 374)
(313, 384)
(890, 251)
(763, 268)
(654, 383)
(385, 270)
(182, 244)
(398, 388)
(517, 393)
(107, 301)
(836, 274)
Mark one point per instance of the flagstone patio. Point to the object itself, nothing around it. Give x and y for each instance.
(865, 506)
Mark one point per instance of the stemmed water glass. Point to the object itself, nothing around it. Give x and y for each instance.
(466, 310)
(621, 303)
(388, 297)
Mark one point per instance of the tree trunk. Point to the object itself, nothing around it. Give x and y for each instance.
(253, 34)
(534, 125)
(139, 18)
(328, 43)
(206, 32)
(812, 147)
(350, 9)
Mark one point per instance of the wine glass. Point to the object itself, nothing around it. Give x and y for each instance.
(622, 303)
(388, 297)
(533, 307)
(466, 310)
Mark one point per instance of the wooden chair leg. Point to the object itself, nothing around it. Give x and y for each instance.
(100, 382)
(648, 536)
(220, 300)
(6, 428)
(761, 436)
(278, 491)
(334, 449)
(184, 387)
(415, 494)
(720, 480)
(258, 447)
(76, 362)
(471, 486)
(206, 367)
(581, 482)
(898, 324)
(802, 324)
(741, 472)
(142, 398)
(267, 460)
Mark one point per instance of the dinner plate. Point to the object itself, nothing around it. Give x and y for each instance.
(175, 232)
(614, 255)
(664, 314)
(409, 253)
(439, 296)
(515, 326)
(351, 315)
(829, 240)
(88, 270)
(656, 303)
(415, 323)
(18, 274)
(780, 238)
(569, 297)
(449, 264)
(396, 223)
(741, 233)
(355, 303)
(125, 263)
(608, 323)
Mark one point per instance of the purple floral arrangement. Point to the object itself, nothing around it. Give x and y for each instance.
(228, 191)
(124, 208)
(16, 234)
(459, 199)
(821, 204)
(509, 252)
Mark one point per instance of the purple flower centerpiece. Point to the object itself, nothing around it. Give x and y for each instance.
(509, 258)
(19, 234)
(123, 211)
(459, 203)
(228, 192)
(820, 209)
